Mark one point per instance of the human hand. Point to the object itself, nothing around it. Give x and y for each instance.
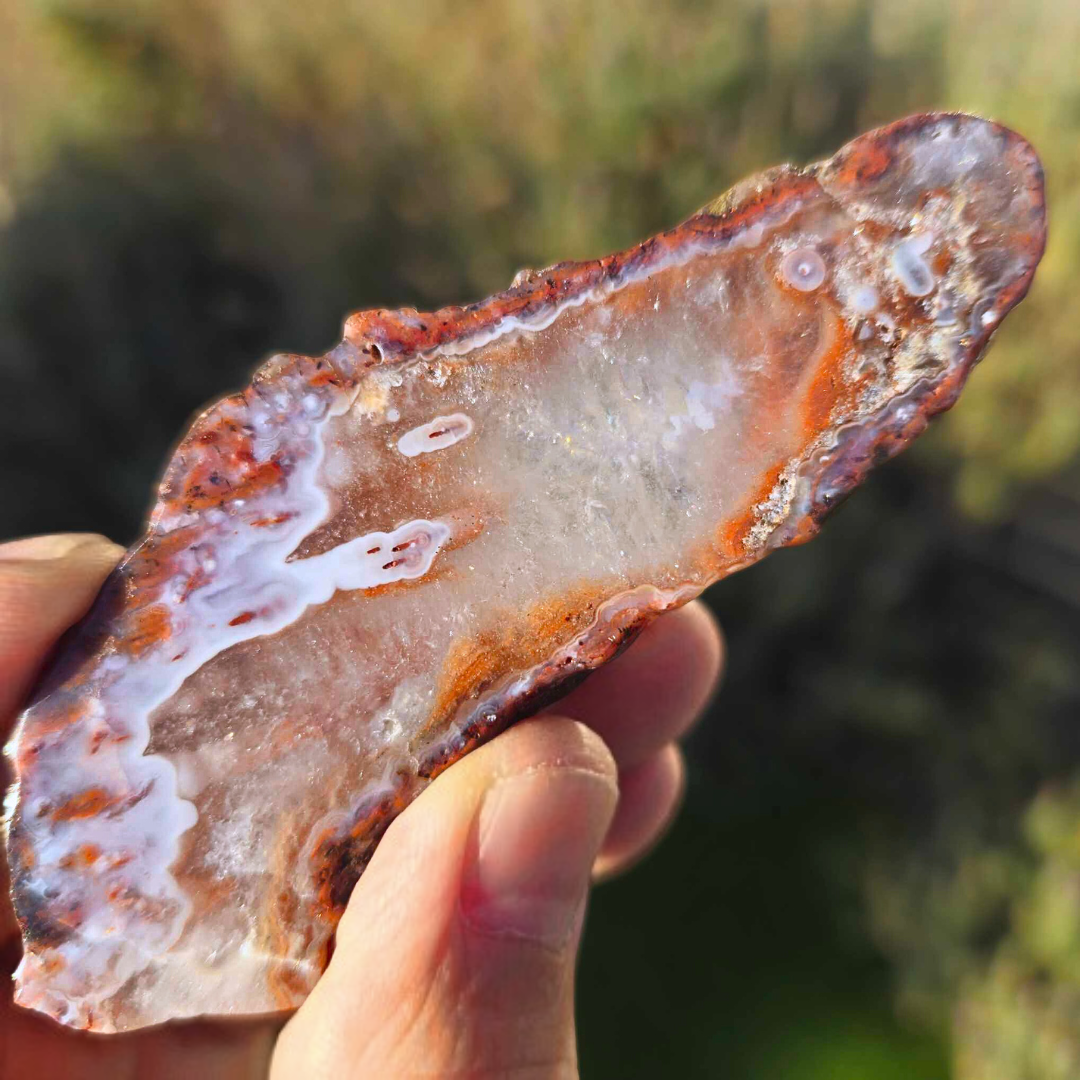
(455, 956)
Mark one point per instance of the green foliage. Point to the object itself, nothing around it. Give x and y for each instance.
(1021, 1017)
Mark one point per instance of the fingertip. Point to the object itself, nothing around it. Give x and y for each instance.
(549, 742)
(60, 545)
(46, 584)
(649, 799)
(539, 743)
(655, 691)
(692, 636)
(706, 631)
(537, 835)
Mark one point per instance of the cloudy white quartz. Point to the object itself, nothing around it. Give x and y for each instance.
(437, 434)
(910, 268)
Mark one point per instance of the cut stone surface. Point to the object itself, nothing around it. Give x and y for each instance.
(368, 563)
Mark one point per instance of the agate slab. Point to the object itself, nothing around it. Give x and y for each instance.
(367, 563)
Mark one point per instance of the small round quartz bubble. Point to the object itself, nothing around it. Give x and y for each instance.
(803, 269)
(910, 268)
(864, 300)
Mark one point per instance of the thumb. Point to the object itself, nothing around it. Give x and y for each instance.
(46, 583)
(456, 954)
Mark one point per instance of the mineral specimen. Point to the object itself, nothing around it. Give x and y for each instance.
(367, 563)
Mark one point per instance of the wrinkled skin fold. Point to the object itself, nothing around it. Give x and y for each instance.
(368, 563)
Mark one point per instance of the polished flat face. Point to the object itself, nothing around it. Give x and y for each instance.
(367, 563)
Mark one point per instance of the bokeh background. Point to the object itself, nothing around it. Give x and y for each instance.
(877, 874)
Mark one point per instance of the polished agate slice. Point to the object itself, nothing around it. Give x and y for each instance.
(368, 563)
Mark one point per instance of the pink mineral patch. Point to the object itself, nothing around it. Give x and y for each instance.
(367, 563)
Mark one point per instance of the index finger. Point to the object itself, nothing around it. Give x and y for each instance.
(652, 693)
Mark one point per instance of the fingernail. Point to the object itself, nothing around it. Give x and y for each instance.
(56, 546)
(538, 834)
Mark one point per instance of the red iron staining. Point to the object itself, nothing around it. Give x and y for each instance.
(87, 803)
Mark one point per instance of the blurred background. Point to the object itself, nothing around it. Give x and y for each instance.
(877, 874)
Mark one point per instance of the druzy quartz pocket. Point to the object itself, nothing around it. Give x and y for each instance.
(369, 562)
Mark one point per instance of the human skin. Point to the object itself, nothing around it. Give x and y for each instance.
(456, 954)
